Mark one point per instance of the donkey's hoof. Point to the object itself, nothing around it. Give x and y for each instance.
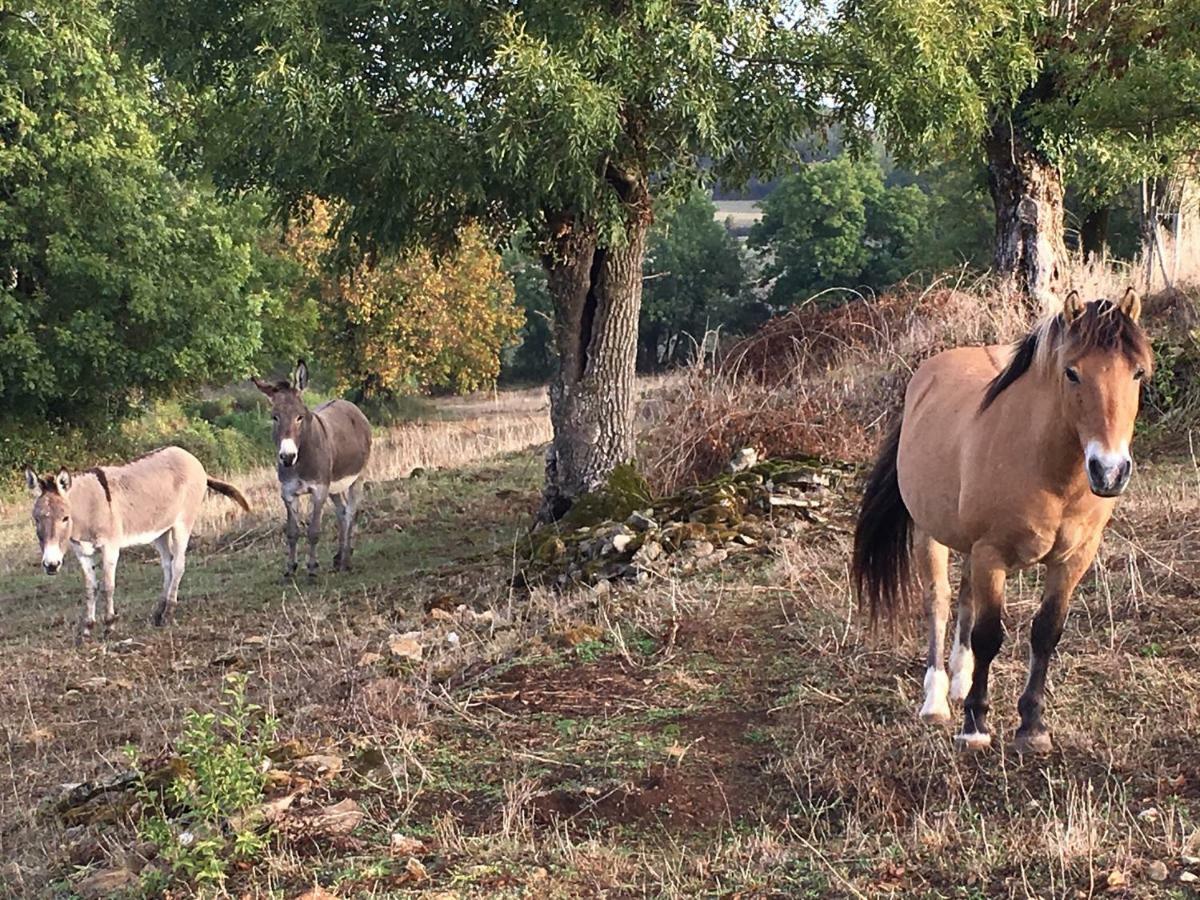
(110, 624)
(973, 741)
(1034, 743)
(84, 634)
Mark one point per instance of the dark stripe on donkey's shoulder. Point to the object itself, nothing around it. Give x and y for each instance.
(103, 479)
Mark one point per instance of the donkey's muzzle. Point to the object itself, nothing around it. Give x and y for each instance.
(1109, 479)
(287, 459)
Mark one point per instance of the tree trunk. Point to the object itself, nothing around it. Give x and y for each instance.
(1028, 194)
(597, 293)
(1093, 234)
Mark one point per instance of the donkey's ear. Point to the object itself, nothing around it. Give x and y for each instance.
(266, 387)
(63, 481)
(300, 377)
(1131, 304)
(31, 479)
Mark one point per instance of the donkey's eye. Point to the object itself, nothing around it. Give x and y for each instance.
(1139, 374)
(1072, 375)
(66, 519)
(299, 418)
(274, 418)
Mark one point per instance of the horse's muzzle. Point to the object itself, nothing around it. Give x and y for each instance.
(51, 568)
(1108, 480)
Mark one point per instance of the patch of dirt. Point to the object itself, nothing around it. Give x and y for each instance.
(591, 689)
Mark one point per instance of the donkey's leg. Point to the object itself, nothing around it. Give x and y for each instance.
(88, 564)
(933, 563)
(163, 545)
(1061, 578)
(341, 559)
(108, 563)
(962, 660)
(346, 512)
(319, 495)
(291, 530)
(987, 590)
(179, 544)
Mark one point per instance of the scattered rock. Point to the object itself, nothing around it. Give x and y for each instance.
(256, 641)
(746, 458)
(621, 541)
(1190, 861)
(441, 615)
(104, 883)
(319, 765)
(406, 646)
(415, 870)
(369, 659)
(1157, 871)
(1189, 877)
(1116, 878)
(403, 845)
(641, 521)
(338, 818)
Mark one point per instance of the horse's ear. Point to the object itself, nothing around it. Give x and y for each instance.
(63, 481)
(1072, 306)
(1131, 304)
(31, 479)
(300, 378)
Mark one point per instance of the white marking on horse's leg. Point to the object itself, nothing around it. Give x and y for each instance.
(962, 670)
(976, 740)
(936, 709)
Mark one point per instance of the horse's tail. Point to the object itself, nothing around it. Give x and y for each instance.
(881, 568)
(229, 491)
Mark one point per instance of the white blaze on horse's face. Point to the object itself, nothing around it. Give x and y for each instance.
(51, 517)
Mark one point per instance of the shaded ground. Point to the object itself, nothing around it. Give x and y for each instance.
(735, 734)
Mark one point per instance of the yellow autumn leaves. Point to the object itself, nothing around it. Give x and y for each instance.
(411, 322)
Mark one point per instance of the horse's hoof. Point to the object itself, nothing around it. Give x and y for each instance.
(110, 626)
(973, 741)
(938, 717)
(1033, 744)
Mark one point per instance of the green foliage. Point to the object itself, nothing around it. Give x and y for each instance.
(694, 282)
(199, 822)
(835, 224)
(531, 357)
(440, 113)
(1106, 92)
(120, 282)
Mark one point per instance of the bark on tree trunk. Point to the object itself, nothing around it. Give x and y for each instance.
(1028, 195)
(597, 292)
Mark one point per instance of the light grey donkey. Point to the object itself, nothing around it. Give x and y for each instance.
(152, 500)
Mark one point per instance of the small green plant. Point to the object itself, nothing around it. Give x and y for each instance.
(590, 651)
(200, 820)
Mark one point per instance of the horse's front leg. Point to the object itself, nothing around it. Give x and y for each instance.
(1061, 579)
(987, 593)
(319, 496)
(291, 530)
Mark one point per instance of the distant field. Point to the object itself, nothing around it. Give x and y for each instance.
(739, 214)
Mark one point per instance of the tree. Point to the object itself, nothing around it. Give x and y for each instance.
(567, 117)
(531, 357)
(395, 324)
(834, 224)
(1041, 89)
(693, 282)
(119, 281)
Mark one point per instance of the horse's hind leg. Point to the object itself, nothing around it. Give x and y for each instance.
(962, 660)
(319, 495)
(933, 564)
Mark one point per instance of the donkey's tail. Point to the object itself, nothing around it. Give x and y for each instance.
(229, 491)
(881, 568)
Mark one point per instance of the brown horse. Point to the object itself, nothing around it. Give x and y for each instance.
(1011, 458)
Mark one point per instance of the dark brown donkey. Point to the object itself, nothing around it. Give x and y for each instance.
(323, 453)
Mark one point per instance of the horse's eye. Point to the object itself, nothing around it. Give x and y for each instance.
(66, 518)
(1139, 374)
(1072, 375)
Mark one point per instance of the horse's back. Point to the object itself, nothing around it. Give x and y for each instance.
(349, 436)
(940, 425)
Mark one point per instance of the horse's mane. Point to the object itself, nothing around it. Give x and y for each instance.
(1101, 326)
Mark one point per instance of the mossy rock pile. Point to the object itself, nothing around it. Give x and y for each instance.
(621, 534)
